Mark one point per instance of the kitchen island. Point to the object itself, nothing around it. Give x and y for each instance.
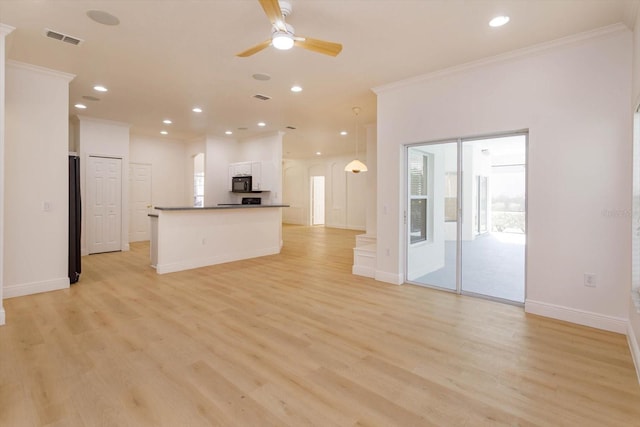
(183, 238)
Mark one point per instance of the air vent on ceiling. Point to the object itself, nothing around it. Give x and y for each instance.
(291, 127)
(62, 37)
(262, 97)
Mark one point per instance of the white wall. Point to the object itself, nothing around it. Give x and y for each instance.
(4, 31)
(345, 193)
(35, 173)
(220, 152)
(167, 168)
(634, 307)
(371, 213)
(106, 138)
(574, 98)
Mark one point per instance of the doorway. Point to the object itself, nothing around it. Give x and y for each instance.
(139, 201)
(198, 180)
(317, 200)
(104, 204)
(466, 222)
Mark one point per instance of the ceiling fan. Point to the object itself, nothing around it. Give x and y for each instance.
(283, 36)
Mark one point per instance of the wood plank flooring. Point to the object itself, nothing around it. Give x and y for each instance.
(293, 340)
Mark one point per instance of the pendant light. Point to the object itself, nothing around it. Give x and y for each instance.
(356, 166)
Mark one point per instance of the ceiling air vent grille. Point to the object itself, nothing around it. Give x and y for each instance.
(62, 37)
(262, 97)
(291, 127)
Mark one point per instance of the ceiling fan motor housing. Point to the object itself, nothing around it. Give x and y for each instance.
(285, 7)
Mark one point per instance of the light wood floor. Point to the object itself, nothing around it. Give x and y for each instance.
(295, 339)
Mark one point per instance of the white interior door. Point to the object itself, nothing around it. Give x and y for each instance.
(317, 200)
(104, 204)
(140, 201)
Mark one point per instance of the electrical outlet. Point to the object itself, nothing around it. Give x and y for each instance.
(590, 280)
(387, 252)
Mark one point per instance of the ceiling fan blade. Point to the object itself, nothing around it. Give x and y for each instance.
(257, 48)
(319, 46)
(274, 13)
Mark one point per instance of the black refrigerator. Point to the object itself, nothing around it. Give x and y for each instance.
(75, 217)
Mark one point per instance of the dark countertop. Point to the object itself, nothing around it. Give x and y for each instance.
(221, 206)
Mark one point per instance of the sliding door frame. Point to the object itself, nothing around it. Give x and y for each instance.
(459, 208)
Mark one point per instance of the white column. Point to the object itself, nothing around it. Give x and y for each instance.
(4, 31)
(372, 180)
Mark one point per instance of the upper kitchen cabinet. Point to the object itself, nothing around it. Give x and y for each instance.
(240, 169)
(262, 173)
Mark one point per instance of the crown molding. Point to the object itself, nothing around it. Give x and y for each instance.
(6, 29)
(42, 70)
(82, 118)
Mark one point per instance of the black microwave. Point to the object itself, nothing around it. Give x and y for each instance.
(241, 184)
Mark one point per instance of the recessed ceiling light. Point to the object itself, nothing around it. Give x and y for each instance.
(197, 110)
(102, 17)
(100, 88)
(261, 76)
(167, 121)
(80, 106)
(343, 133)
(318, 153)
(262, 124)
(296, 89)
(228, 132)
(164, 132)
(498, 21)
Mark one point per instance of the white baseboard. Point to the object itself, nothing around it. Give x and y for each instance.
(3, 318)
(361, 270)
(393, 278)
(635, 350)
(22, 289)
(172, 267)
(580, 317)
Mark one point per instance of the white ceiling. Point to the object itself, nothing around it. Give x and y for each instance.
(167, 56)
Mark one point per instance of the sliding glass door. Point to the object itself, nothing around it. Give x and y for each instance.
(466, 219)
(432, 219)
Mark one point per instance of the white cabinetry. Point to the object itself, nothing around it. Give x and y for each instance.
(262, 174)
(240, 169)
(257, 180)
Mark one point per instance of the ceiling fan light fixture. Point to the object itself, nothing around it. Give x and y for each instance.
(356, 166)
(282, 40)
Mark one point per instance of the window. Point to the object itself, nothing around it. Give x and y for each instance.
(419, 193)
